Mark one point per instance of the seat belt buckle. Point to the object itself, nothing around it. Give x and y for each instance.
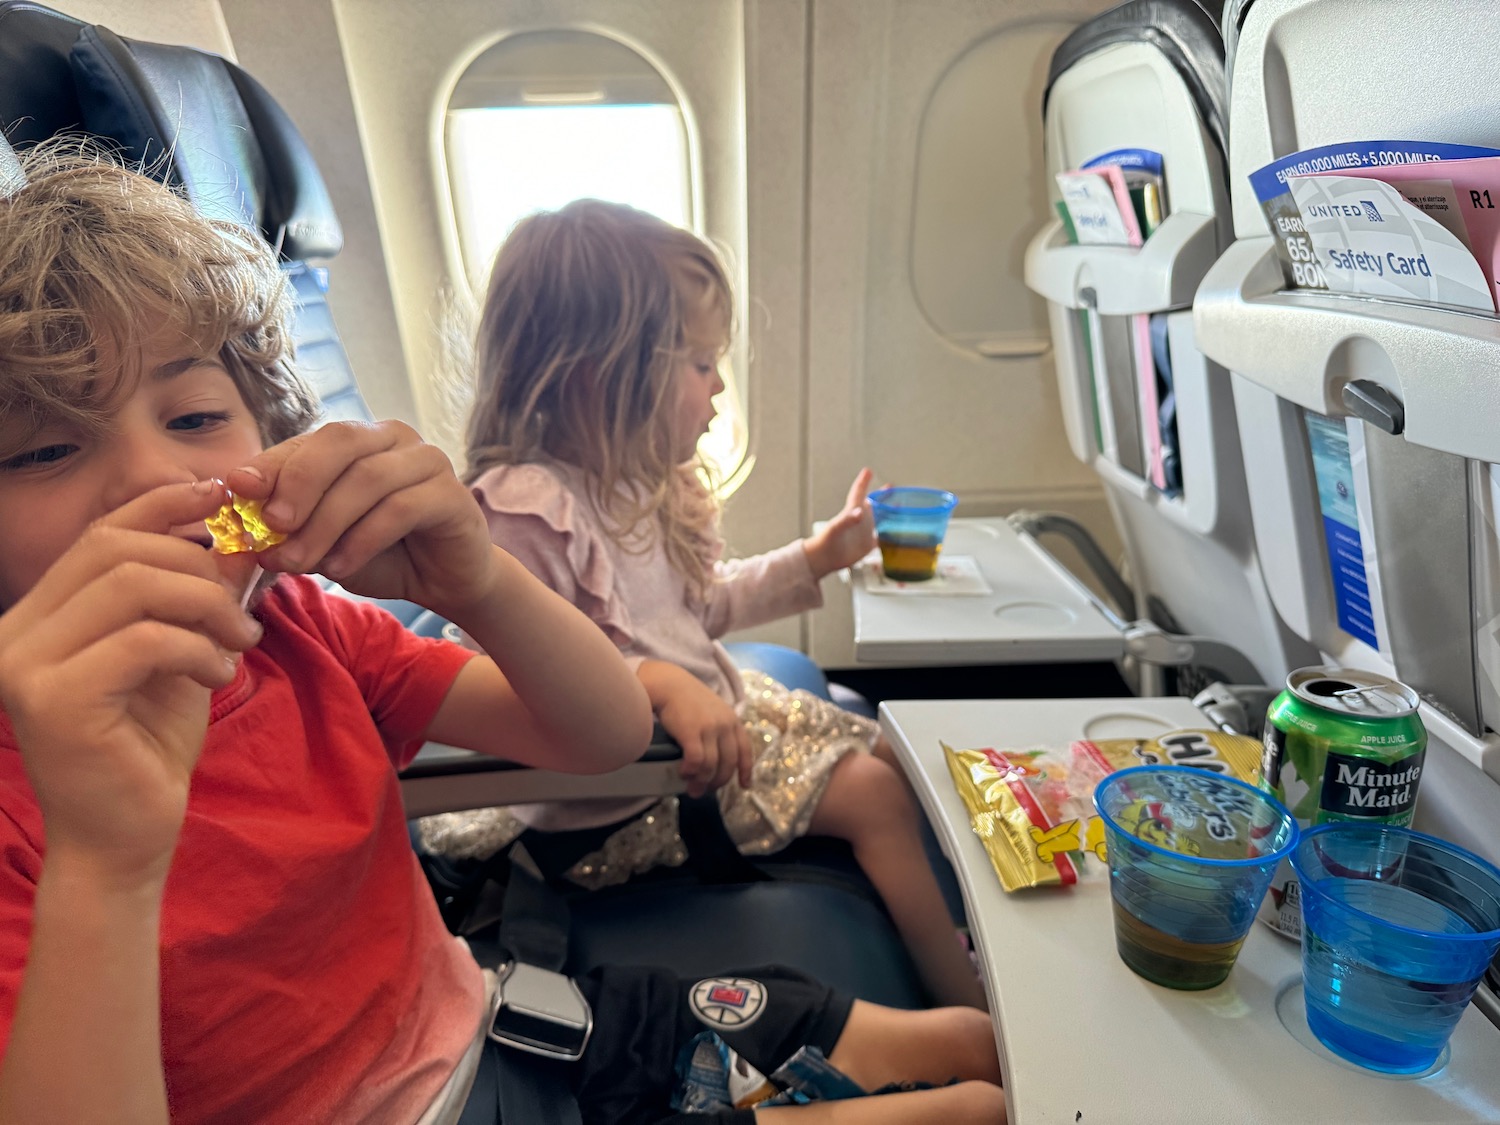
(541, 1012)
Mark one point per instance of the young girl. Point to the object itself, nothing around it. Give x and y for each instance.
(598, 363)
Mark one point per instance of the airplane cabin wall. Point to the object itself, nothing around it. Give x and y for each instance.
(872, 168)
(402, 65)
(928, 359)
(188, 23)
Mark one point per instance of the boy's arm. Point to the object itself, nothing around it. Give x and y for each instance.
(555, 691)
(106, 667)
(381, 512)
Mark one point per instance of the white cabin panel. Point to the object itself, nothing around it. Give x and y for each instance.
(188, 23)
(927, 357)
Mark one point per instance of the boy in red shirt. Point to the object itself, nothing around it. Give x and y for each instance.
(208, 905)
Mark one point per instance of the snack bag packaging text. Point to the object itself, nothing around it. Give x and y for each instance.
(1034, 809)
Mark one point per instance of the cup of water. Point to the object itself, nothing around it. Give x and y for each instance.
(1191, 855)
(1398, 928)
(909, 527)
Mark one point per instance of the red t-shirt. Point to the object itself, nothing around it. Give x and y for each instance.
(306, 973)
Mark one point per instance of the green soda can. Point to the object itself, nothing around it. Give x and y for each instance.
(1339, 744)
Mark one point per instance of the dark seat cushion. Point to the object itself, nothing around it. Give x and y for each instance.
(837, 935)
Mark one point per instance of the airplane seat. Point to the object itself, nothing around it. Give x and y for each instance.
(1376, 474)
(794, 669)
(1141, 404)
(204, 124)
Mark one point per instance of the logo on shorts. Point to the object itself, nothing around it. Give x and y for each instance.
(728, 1003)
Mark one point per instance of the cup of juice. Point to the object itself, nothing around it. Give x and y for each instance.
(1191, 855)
(910, 524)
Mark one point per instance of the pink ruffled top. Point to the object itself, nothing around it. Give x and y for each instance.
(541, 513)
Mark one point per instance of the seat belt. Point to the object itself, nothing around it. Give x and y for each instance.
(541, 1020)
(534, 1091)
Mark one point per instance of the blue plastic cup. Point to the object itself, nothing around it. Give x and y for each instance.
(910, 524)
(1191, 855)
(1398, 927)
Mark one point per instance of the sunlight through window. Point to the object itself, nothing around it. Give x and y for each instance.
(508, 162)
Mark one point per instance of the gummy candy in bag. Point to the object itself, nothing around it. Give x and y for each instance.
(1034, 809)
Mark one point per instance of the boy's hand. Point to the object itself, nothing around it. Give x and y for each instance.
(106, 668)
(375, 508)
(846, 538)
(715, 744)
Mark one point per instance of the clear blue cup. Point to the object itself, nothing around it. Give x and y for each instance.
(910, 524)
(1191, 855)
(1398, 927)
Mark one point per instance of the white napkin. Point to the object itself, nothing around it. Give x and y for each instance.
(957, 576)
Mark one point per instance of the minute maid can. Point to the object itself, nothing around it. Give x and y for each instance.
(1339, 744)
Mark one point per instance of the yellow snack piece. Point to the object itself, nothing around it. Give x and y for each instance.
(238, 527)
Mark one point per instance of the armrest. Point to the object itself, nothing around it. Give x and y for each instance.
(446, 779)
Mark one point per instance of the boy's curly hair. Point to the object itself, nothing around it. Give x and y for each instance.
(95, 261)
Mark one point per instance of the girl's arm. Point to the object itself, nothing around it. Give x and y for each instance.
(715, 744)
(538, 524)
(752, 591)
(848, 536)
(106, 668)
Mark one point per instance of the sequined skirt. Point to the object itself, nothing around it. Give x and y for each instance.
(799, 738)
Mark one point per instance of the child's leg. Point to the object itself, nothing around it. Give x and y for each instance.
(969, 1103)
(882, 1045)
(883, 750)
(868, 804)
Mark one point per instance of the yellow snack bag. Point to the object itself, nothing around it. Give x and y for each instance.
(1034, 809)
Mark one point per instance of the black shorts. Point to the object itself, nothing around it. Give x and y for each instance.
(642, 1019)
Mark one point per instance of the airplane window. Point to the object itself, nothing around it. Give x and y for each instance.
(545, 117)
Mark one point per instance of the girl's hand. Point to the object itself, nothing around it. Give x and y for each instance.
(715, 744)
(106, 668)
(848, 536)
(378, 510)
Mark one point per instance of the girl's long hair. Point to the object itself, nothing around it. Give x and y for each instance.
(588, 312)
